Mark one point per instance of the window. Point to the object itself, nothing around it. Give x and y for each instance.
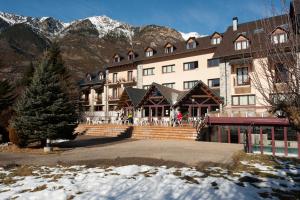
(214, 82)
(239, 45)
(146, 87)
(117, 59)
(216, 40)
(129, 76)
(131, 56)
(169, 48)
(190, 65)
(189, 84)
(168, 69)
(100, 76)
(149, 53)
(115, 77)
(243, 100)
(115, 93)
(242, 76)
(191, 44)
(281, 73)
(213, 62)
(89, 77)
(148, 71)
(279, 38)
(169, 85)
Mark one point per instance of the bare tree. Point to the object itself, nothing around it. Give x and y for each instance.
(277, 74)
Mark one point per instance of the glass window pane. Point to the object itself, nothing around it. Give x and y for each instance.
(243, 100)
(251, 100)
(235, 101)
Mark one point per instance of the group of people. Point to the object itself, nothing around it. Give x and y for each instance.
(176, 119)
(123, 118)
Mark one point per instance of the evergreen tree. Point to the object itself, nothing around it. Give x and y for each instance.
(45, 110)
(6, 95)
(27, 76)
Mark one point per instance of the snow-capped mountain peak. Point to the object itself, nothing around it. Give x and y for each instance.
(104, 25)
(191, 34)
(12, 19)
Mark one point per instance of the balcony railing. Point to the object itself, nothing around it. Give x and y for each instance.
(244, 83)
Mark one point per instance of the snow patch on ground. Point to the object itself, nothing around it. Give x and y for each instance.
(142, 182)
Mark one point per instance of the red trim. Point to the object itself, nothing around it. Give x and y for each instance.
(219, 134)
(273, 141)
(228, 135)
(285, 141)
(239, 135)
(246, 121)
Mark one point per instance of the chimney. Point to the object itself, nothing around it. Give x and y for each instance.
(235, 23)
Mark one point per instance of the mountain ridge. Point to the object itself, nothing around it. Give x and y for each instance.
(87, 44)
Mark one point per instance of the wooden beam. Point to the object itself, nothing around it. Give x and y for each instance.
(200, 96)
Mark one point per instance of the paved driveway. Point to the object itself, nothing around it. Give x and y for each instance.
(89, 149)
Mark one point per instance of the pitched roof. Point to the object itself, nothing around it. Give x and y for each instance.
(171, 95)
(200, 83)
(135, 94)
(255, 31)
(94, 79)
(203, 43)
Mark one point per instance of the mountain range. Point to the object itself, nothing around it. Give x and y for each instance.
(87, 44)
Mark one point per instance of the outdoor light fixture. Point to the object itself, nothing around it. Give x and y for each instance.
(280, 113)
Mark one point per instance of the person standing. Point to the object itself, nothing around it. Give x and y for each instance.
(179, 117)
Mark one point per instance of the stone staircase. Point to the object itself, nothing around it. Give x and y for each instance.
(139, 132)
(106, 130)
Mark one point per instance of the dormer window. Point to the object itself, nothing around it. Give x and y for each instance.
(279, 36)
(191, 43)
(131, 55)
(241, 43)
(149, 52)
(169, 48)
(216, 38)
(101, 76)
(117, 58)
(89, 77)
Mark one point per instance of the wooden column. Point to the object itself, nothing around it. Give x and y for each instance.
(239, 135)
(298, 136)
(261, 141)
(228, 135)
(285, 141)
(273, 141)
(219, 134)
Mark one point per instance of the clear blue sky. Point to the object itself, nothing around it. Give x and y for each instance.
(203, 16)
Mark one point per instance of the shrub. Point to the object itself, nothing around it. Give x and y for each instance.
(15, 139)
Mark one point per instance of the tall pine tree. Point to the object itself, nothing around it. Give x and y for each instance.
(45, 110)
(6, 94)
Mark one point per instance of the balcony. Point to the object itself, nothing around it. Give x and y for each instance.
(84, 102)
(98, 101)
(113, 98)
(244, 83)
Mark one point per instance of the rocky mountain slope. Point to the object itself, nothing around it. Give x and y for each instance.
(87, 44)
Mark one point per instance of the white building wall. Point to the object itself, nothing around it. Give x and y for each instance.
(203, 72)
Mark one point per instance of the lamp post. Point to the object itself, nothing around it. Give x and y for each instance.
(193, 100)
